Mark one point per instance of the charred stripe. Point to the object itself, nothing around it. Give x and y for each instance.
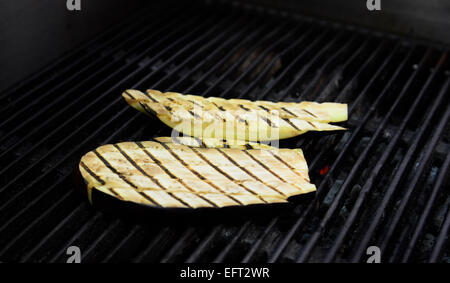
(115, 193)
(194, 114)
(225, 174)
(107, 164)
(288, 165)
(156, 161)
(148, 109)
(304, 110)
(95, 176)
(265, 166)
(150, 199)
(267, 120)
(200, 142)
(247, 171)
(197, 173)
(243, 107)
(139, 168)
(312, 124)
(171, 174)
(287, 111)
(149, 96)
(292, 124)
(264, 108)
(129, 95)
(196, 103)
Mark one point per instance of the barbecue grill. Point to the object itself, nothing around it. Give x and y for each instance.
(382, 183)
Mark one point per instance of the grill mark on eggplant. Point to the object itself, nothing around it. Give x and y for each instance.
(151, 199)
(225, 174)
(274, 173)
(177, 141)
(243, 107)
(129, 95)
(200, 142)
(114, 170)
(264, 108)
(148, 109)
(196, 103)
(219, 107)
(292, 124)
(159, 163)
(115, 193)
(289, 166)
(203, 178)
(243, 120)
(291, 113)
(224, 110)
(139, 168)
(248, 172)
(246, 109)
(90, 172)
(198, 117)
(266, 119)
(287, 111)
(304, 110)
(149, 96)
(194, 114)
(265, 166)
(248, 146)
(312, 124)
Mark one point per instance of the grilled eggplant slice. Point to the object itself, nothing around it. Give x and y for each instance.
(170, 175)
(237, 119)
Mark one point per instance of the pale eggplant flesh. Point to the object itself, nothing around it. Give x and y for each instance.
(168, 174)
(237, 119)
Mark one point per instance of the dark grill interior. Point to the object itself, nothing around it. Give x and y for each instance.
(383, 182)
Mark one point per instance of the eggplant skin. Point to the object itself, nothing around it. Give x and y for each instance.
(236, 119)
(169, 175)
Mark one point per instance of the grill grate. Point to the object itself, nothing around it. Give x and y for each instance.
(383, 182)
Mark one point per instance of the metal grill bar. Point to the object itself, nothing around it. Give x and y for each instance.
(240, 61)
(395, 182)
(292, 64)
(428, 152)
(413, 186)
(378, 167)
(443, 235)
(426, 212)
(337, 200)
(253, 65)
